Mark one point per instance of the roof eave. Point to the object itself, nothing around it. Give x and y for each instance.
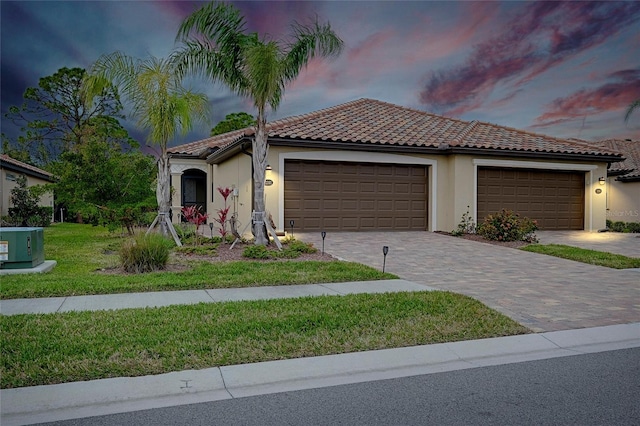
(361, 146)
(222, 154)
(234, 148)
(26, 171)
(635, 178)
(537, 154)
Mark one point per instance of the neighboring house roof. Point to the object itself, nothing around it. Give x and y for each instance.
(20, 167)
(368, 124)
(629, 168)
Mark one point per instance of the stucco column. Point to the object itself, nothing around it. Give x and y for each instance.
(176, 196)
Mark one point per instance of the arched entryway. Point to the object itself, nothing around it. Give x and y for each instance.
(194, 189)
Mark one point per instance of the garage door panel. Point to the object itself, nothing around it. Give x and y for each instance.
(553, 198)
(367, 187)
(402, 204)
(362, 196)
(330, 186)
(349, 205)
(366, 205)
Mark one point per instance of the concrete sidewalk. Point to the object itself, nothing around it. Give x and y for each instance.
(51, 305)
(117, 395)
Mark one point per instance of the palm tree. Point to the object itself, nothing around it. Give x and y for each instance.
(217, 47)
(634, 105)
(161, 105)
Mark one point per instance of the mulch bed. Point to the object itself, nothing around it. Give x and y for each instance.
(179, 262)
(475, 237)
(224, 254)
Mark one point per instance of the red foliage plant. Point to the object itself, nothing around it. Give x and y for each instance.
(223, 213)
(195, 216)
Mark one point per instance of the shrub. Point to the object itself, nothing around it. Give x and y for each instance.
(256, 252)
(25, 210)
(145, 253)
(508, 226)
(299, 247)
(291, 250)
(466, 225)
(633, 227)
(619, 226)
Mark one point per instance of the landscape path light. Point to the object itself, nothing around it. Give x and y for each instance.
(211, 228)
(291, 222)
(385, 250)
(323, 234)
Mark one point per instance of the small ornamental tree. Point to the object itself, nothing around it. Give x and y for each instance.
(25, 210)
(223, 213)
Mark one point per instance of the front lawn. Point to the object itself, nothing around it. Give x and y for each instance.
(85, 254)
(592, 257)
(57, 348)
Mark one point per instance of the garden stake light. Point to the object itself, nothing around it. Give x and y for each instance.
(291, 223)
(211, 227)
(385, 250)
(323, 234)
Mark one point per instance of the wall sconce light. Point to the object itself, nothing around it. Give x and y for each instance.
(269, 167)
(602, 180)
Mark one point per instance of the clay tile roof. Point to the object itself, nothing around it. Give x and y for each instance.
(6, 159)
(629, 168)
(369, 121)
(201, 146)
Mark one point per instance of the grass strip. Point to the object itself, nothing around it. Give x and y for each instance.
(57, 348)
(592, 257)
(82, 250)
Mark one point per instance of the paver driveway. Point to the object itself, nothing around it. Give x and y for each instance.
(541, 292)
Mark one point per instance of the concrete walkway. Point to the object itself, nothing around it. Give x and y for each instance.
(100, 397)
(51, 305)
(541, 292)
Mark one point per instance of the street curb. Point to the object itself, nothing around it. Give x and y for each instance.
(116, 395)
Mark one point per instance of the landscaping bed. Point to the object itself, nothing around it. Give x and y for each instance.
(481, 239)
(88, 264)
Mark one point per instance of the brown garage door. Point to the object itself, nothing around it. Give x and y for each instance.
(555, 199)
(334, 196)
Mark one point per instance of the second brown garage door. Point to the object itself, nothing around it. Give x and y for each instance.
(344, 196)
(554, 199)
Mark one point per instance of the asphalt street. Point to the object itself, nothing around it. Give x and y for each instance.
(591, 389)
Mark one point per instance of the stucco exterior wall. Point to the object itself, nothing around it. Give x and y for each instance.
(8, 182)
(234, 173)
(452, 183)
(623, 201)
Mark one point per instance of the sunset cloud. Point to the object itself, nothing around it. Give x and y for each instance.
(542, 35)
(513, 63)
(615, 95)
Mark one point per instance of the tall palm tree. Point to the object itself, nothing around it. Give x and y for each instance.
(216, 45)
(161, 105)
(634, 105)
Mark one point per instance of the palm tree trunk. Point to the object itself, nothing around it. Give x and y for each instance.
(260, 149)
(163, 195)
(163, 192)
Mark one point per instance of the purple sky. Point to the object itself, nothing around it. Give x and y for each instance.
(566, 69)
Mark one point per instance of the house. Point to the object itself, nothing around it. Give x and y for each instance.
(623, 181)
(371, 165)
(10, 169)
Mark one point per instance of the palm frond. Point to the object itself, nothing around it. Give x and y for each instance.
(309, 41)
(634, 105)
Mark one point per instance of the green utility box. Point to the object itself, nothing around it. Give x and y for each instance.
(21, 248)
